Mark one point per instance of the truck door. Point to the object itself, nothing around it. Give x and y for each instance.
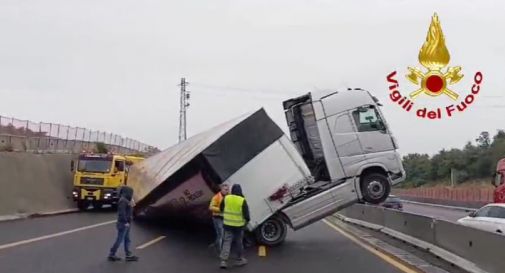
(499, 192)
(119, 172)
(372, 131)
(346, 141)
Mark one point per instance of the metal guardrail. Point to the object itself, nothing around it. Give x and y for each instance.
(465, 209)
(471, 249)
(26, 135)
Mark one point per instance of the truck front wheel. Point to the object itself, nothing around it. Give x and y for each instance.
(97, 205)
(82, 205)
(272, 232)
(375, 188)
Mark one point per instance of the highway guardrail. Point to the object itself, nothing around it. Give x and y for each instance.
(470, 249)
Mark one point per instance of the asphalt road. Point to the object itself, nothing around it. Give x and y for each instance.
(77, 247)
(451, 215)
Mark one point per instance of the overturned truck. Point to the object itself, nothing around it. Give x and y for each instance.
(341, 151)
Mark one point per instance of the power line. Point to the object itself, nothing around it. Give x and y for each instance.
(227, 88)
(183, 107)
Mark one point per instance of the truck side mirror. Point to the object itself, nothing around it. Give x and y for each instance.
(473, 214)
(72, 165)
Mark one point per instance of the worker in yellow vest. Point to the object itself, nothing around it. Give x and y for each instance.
(217, 215)
(235, 219)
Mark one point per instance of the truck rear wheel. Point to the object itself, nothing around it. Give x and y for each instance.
(375, 188)
(272, 232)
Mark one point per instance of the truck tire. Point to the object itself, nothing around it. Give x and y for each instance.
(82, 205)
(272, 232)
(375, 188)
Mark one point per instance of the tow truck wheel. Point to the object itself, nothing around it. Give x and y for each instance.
(375, 188)
(272, 232)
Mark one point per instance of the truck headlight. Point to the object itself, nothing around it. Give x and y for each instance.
(107, 195)
(75, 193)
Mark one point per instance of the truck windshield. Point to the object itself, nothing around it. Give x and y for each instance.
(95, 166)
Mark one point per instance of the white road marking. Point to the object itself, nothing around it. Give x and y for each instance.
(152, 242)
(45, 237)
(383, 256)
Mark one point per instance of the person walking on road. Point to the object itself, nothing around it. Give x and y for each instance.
(235, 219)
(123, 225)
(217, 215)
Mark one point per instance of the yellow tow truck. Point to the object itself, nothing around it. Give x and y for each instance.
(97, 178)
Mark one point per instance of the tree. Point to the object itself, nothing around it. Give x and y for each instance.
(471, 162)
(500, 135)
(101, 148)
(483, 140)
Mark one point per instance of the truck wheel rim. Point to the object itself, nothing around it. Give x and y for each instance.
(375, 189)
(271, 231)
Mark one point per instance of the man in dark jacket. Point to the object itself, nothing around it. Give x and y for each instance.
(124, 219)
(235, 219)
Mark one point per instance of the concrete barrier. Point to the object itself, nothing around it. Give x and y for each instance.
(485, 249)
(34, 183)
(471, 249)
(360, 212)
(418, 226)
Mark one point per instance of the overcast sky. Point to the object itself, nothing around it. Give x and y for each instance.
(115, 65)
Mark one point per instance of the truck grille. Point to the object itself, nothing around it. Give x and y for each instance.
(91, 181)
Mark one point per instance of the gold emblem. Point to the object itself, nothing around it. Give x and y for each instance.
(434, 56)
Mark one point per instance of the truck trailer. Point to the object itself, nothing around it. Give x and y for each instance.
(341, 152)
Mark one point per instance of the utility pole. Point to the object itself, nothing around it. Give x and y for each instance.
(184, 105)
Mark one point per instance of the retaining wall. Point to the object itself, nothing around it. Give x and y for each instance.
(31, 183)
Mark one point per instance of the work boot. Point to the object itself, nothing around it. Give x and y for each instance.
(241, 262)
(113, 258)
(223, 265)
(131, 258)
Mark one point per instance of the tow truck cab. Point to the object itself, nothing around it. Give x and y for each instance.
(97, 178)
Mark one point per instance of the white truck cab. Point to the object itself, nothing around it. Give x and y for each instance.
(350, 152)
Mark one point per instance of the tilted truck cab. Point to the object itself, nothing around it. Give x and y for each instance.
(343, 135)
(350, 151)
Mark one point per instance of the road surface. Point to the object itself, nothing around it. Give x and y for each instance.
(447, 214)
(79, 242)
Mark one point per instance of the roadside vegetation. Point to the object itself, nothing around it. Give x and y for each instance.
(474, 164)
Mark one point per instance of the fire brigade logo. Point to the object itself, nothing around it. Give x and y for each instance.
(436, 79)
(435, 57)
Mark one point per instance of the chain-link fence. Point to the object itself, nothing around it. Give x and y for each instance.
(25, 135)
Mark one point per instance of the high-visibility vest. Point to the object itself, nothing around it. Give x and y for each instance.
(233, 211)
(215, 204)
